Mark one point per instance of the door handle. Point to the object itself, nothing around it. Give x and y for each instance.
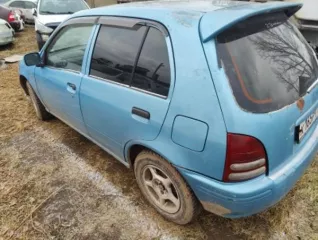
(140, 112)
(72, 85)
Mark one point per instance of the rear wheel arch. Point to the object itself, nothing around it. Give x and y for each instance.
(134, 149)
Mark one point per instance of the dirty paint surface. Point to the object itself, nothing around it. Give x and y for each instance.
(56, 184)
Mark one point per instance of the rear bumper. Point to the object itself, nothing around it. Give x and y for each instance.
(235, 200)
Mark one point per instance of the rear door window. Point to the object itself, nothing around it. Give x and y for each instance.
(115, 53)
(152, 72)
(267, 61)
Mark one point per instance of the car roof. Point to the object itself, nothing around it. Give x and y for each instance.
(166, 6)
(202, 6)
(34, 1)
(214, 15)
(185, 12)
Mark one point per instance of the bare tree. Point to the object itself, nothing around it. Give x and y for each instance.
(283, 49)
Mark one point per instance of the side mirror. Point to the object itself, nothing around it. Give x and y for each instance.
(32, 59)
(34, 13)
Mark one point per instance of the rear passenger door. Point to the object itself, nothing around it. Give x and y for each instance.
(125, 94)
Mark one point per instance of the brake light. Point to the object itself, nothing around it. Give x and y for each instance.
(11, 17)
(245, 158)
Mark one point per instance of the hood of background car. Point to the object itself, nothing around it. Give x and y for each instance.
(56, 18)
(308, 11)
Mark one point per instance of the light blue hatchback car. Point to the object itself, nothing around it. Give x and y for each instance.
(212, 103)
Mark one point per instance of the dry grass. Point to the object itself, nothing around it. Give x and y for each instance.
(55, 184)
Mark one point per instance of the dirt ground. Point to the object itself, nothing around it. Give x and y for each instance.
(55, 184)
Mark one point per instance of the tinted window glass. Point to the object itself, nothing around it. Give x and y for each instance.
(68, 47)
(29, 5)
(268, 62)
(17, 4)
(153, 69)
(115, 53)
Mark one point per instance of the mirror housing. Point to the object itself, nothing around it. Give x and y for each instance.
(33, 59)
(34, 13)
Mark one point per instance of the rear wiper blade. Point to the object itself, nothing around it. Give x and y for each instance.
(65, 13)
(312, 86)
(48, 12)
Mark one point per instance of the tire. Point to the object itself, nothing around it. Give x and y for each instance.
(154, 176)
(40, 110)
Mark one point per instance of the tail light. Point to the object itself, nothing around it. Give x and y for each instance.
(245, 158)
(11, 17)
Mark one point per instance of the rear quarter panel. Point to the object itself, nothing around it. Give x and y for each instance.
(194, 97)
(276, 130)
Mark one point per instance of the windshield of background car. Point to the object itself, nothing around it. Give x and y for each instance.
(61, 6)
(267, 61)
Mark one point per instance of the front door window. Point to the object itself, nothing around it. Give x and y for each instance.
(68, 48)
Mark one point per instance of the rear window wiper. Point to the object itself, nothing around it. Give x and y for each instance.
(312, 86)
(65, 13)
(48, 12)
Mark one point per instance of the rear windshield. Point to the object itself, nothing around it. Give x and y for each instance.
(61, 6)
(267, 61)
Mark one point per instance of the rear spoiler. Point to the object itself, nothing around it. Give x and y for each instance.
(213, 23)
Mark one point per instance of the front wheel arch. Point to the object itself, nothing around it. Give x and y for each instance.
(23, 82)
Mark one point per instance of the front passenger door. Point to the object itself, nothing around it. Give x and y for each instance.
(59, 80)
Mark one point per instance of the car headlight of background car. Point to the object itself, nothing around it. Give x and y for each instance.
(43, 30)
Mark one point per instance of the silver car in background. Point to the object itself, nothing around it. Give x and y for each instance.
(6, 33)
(25, 6)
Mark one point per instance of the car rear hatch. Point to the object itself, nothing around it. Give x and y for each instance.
(265, 75)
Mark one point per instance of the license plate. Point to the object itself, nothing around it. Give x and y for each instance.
(303, 127)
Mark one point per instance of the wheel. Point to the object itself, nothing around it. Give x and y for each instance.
(165, 189)
(40, 110)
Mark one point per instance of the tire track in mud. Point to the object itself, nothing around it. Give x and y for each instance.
(73, 164)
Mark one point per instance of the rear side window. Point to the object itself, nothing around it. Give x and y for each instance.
(267, 61)
(152, 72)
(115, 53)
(135, 57)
